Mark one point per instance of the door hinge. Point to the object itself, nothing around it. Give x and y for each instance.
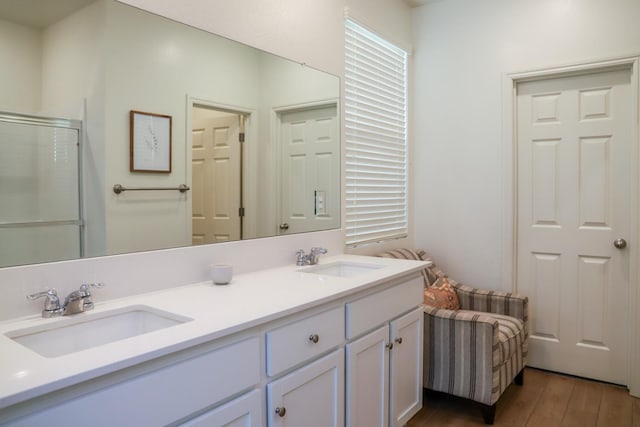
(241, 136)
(241, 212)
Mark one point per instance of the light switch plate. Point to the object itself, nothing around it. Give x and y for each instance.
(320, 202)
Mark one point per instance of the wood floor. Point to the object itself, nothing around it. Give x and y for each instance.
(546, 400)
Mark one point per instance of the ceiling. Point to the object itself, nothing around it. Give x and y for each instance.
(38, 13)
(42, 13)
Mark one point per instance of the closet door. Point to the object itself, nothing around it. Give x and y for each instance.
(575, 200)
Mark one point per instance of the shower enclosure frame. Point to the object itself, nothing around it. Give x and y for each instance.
(72, 124)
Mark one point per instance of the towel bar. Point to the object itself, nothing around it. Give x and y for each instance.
(118, 188)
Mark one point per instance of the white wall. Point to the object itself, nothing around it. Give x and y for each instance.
(306, 31)
(21, 47)
(73, 86)
(462, 49)
(71, 61)
(164, 62)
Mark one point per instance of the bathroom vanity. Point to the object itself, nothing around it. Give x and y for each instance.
(335, 344)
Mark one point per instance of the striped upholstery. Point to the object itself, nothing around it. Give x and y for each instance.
(484, 351)
(477, 351)
(429, 274)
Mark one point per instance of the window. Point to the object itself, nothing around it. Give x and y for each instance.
(376, 137)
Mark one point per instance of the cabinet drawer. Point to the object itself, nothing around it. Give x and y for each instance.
(371, 311)
(304, 339)
(164, 395)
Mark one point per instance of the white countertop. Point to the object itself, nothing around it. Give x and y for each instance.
(217, 311)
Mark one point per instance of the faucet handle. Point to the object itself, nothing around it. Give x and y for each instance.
(301, 257)
(51, 304)
(85, 294)
(84, 288)
(318, 250)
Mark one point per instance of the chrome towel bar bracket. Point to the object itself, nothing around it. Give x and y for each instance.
(118, 188)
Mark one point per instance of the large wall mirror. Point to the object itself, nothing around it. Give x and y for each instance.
(253, 136)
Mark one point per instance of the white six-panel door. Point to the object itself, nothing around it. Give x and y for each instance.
(310, 162)
(574, 171)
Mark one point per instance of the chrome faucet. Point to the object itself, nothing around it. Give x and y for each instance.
(311, 258)
(76, 302)
(51, 304)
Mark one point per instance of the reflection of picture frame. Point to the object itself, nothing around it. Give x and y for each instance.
(150, 142)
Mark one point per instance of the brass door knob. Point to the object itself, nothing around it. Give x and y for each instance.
(281, 411)
(314, 338)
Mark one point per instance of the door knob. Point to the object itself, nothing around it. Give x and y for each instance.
(284, 226)
(620, 243)
(281, 411)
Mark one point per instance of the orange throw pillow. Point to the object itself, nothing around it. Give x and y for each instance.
(442, 295)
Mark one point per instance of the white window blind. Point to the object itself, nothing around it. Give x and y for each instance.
(376, 137)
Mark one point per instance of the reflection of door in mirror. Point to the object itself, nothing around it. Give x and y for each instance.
(310, 164)
(216, 176)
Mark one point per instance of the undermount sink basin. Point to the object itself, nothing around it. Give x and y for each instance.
(87, 330)
(342, 269)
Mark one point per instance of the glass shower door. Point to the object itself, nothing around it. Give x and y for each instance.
(40, 203)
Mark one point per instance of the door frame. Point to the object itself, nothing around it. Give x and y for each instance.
(510, 193)
(249, 169)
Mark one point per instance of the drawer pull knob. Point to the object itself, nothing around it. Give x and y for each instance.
(389, 346)
(281, 411)
(399, 340)
(314, 338)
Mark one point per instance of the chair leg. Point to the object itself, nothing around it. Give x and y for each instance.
(433, 395)
(489, 413)
(520, 377)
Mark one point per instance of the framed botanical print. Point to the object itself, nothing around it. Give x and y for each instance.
(150, 145)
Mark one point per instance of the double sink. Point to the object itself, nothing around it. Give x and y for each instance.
(80, 332)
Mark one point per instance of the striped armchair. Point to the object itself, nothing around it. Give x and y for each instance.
(477, 351)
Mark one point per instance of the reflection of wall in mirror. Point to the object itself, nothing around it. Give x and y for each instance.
(56, 69)
(132, 68)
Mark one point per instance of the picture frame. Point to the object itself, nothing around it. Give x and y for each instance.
(150, 142)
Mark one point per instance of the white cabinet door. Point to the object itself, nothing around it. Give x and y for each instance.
(312, 396)
(406, 367)
(368, 380)
(245, 411)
